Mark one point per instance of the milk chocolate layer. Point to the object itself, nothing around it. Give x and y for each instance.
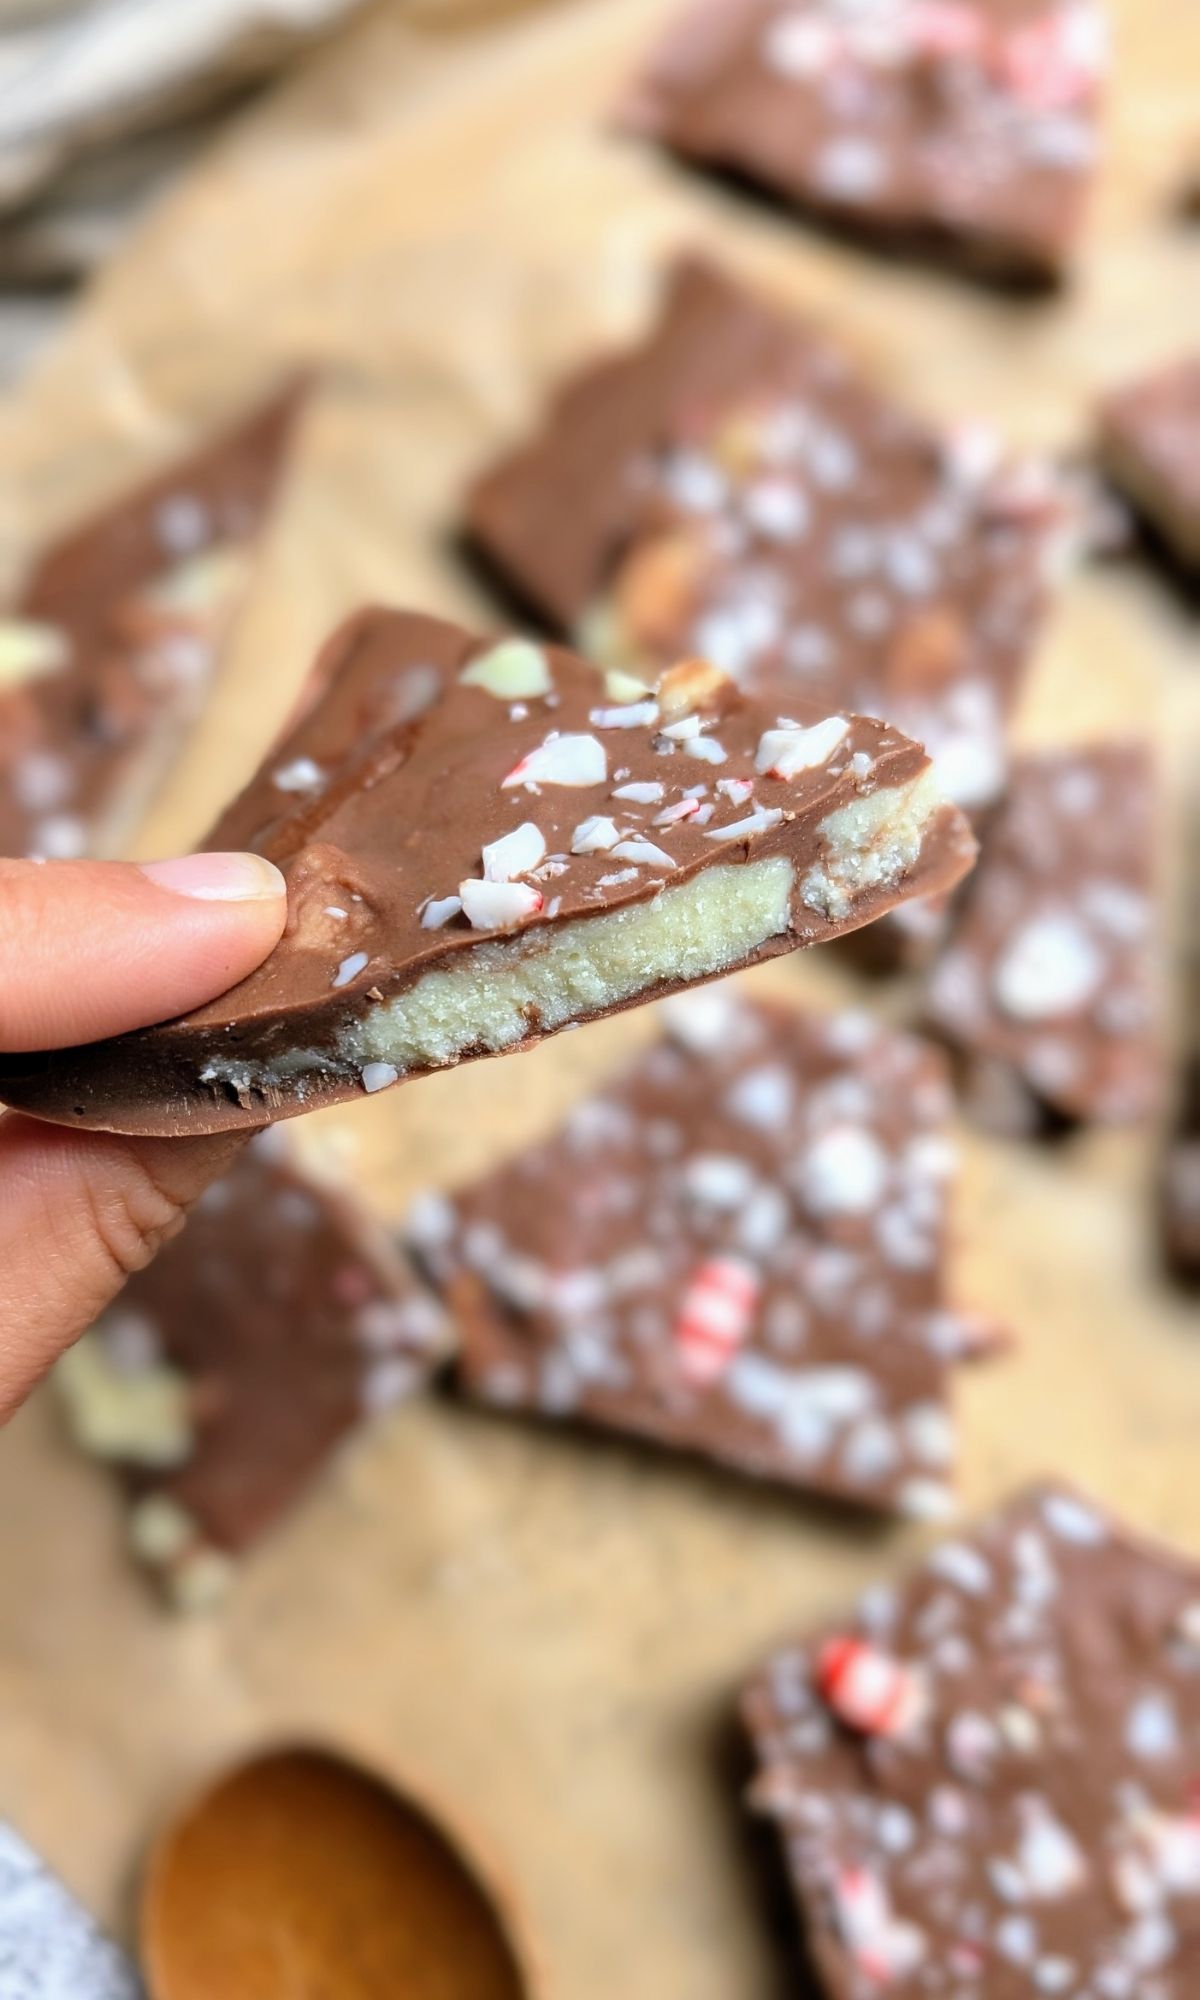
(457, 818)
(1048, 985)
(968, 123)
(1150, 444)
(984, 1779)
(737, 1249)
(228, 1371)
(117, 636)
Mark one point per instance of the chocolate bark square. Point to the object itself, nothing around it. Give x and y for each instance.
(984, 1779)
(225, 1376)
(117, 635)
(971, 125)
(1048, 985)
(737, 1249)
(1150, 445)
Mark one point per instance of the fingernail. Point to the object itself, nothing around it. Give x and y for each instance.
(218, 878)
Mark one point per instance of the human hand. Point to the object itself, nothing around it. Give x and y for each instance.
(89, 949)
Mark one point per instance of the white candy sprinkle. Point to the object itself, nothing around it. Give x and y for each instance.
(595, 835)
(498, 906)
(761, 820)
(632, 715)
(515, 853)
(1052, 967)
(958, 1563)
(561, 760)
(845, 1172)
(644, 853)
(1151, 1729)
(785, 751)
(1072, 1521)
(61, 837)
(301, 775)
(850, 169)
(350, 968)
(706, 748)
(377, 1076)
(640, 794)
(438, 911)
(777, 510)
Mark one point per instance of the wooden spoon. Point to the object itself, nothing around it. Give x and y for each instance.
(301, 1877)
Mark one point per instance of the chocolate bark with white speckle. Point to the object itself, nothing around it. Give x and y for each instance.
(741, 491)
(969, 124)
(985, 1781)
(117, 636)
(50, 1948)
(1048, 984)
(226, 1374)
(737, 1249)
(1150, 445)
(530, 849)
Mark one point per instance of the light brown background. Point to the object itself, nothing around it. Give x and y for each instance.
(548, 1632)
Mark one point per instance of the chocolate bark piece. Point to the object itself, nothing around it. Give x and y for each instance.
(1181, 1184)
(737, 1249)
(1048, 983)
(787, 520)
(117, 635)
(50, 1949)
(969, 124)
(1150, 445)
(531, 850)
(984, 1780)
(226, 1374)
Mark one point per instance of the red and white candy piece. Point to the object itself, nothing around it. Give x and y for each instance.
(561, 760)
(867, 1689)
(882, 1945)
(790, 749)
(716, 1316)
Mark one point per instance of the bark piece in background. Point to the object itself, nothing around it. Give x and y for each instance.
(50, 1949)
(1048, 984)
(1181, 1183)
(736, 1249)
(537, 846)
(971, 125)
(984, 1780)
(117, 637)
(1150, 445)
(739, 490)
(227, 1373)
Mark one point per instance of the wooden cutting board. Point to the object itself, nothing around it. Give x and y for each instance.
(548, 1631)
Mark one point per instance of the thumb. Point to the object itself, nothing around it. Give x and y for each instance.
(96, 948)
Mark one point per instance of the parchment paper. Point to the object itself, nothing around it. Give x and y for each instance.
(544, 1630)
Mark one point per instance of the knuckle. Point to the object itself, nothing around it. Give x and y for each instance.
(132, 1216)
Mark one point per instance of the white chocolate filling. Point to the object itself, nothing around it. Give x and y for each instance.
(871, 844)
(494, 996)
